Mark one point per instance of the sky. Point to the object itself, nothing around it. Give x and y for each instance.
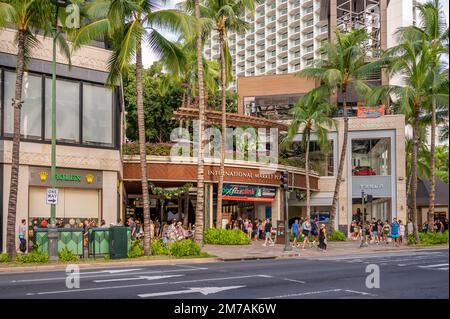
(148, 57)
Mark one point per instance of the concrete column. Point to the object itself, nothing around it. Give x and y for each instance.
(276, 206)
(110, 211)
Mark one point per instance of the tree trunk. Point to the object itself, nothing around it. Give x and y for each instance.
(341, 161)
(223, 84)
(414, 173)
(308, 196)
(14, 183)
(142, 149)
(183, 98)
(430, 216)
(186, 210)
(199, 209)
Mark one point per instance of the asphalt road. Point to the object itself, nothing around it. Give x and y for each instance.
(412, 274)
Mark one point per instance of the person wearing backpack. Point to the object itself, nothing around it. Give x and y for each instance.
(268, 230)
(22, 236)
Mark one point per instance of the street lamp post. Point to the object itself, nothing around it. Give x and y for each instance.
(285, 188)
(52, 231)
(363, 224)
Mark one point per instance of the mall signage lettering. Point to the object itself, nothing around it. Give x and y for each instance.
(243, 174)
(40, 176)
(379, 186)
(248, 192)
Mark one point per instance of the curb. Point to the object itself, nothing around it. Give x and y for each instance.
(43, 268)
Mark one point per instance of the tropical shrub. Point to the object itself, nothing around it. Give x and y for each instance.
(136, 250)
(67, 255)
(337, 235)
(217, 236)
(429, 238)
(32, 257)
(185, 247)
(4, 258)
(159, 248)
(157, 149)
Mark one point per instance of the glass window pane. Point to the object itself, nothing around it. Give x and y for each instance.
(371, 156)
(321, 161)
(67, 110)
(97, 115)
(30, 122)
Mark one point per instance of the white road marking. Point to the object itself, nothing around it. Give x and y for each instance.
(109, 275)
(138, 278)
(187, 266)
(443, 268)
(203, 290)
(140, 285)
(432, 266)
(303, 294)
(320, 292)
(293, 280)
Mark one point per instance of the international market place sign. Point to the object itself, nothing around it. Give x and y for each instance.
(248, 193)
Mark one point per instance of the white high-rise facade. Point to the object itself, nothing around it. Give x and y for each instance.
(283, 37)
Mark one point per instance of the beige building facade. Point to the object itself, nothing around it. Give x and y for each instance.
(89, 133)
(375, 154)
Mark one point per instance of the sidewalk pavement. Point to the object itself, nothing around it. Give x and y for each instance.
(257, 251)
(232, 252)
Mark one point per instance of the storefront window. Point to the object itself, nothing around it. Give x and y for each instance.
(379, 208)
(97, 115)
(371, 157)
(67, 110)
(30, 122)
(321, 161)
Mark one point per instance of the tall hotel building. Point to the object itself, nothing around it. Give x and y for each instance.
(283, 37)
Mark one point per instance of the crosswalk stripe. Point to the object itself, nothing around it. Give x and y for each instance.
(432, 266)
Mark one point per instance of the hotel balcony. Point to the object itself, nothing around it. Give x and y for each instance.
(294, 24)
(307, 3)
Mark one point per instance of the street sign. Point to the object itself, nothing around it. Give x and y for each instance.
(52, 196)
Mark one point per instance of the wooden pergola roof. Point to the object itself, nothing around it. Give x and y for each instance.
(233, 119)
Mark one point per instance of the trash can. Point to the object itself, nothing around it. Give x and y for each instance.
(118, 245)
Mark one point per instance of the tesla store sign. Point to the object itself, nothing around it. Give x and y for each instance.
(248, 193)
(379, 186)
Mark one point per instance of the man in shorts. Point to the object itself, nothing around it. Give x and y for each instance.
(268, 230)
(374, 231)
(295, 229)
(394, 232)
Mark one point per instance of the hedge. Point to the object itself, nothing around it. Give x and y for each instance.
(4, 258)
(185, 247)
(216, 236)
(429, 238)
(33, 257)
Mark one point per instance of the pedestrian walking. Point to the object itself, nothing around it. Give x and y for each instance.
(394, 232)
(386, 231)
(249, 229)
(306, 230)
(401, 231)
(295, 229)
(22, 233)
(374, 231)
(315, 231)
(268, 230)
(323, 238)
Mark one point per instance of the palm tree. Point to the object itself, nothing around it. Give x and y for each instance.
(311, 114)
(188, 74)
(346, 65)
(26, 17)
(223, 16)
(130, 23)
(434, 30)
(199, 209)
